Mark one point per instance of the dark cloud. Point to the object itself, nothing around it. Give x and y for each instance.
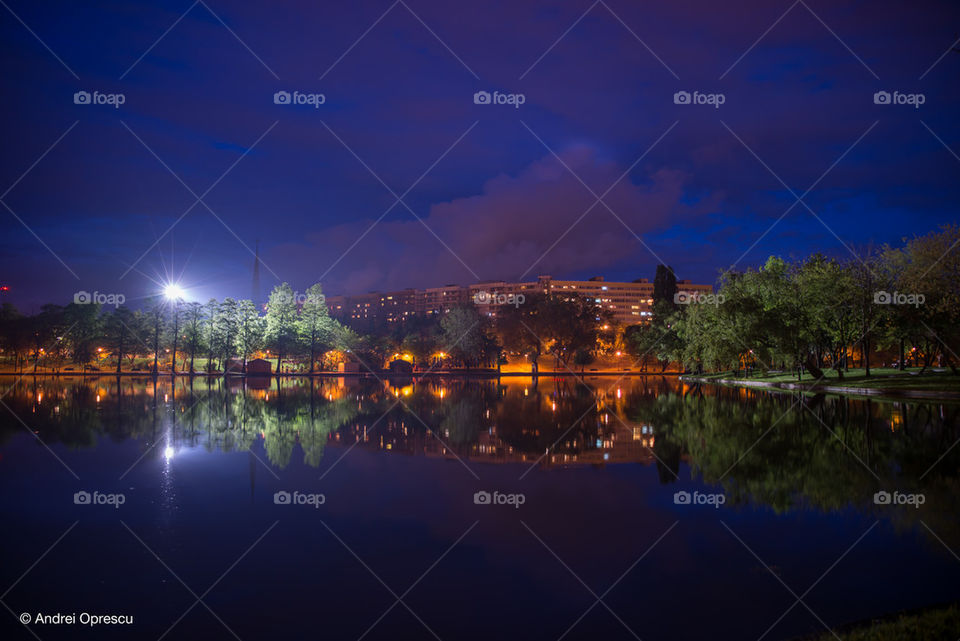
(517, 226)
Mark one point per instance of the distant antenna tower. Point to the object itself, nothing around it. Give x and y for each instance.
(255, 288)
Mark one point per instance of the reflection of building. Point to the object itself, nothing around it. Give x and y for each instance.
(630, 303)
(617, 441)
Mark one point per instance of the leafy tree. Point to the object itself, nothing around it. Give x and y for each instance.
(316, 329)
(281, 332)
(120, 332)
(421, 338)
(176, 317)
(462, 333)
(572, 324)
(153, 319)
(249, 330)
(521, 328)
(659, 337)
(225, 330)
(15, 334)
(582, 358)
(664, 284)
(211, 312)
(194, 315)
(84, 325)
(930, 267)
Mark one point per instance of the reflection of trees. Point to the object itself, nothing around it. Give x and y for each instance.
(781, 455)
(759, 446)
(206, 412)
(462, 416)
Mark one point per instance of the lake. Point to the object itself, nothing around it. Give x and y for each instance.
(453, 508)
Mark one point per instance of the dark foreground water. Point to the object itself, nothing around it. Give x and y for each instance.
(467, 509)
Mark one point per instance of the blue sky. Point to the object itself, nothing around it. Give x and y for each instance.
(101, 196)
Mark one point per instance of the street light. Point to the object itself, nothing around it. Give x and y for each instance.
(173, 291)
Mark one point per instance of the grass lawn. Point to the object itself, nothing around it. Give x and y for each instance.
(931, 625)
(880, 378)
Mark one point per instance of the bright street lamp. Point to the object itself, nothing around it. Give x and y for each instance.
(173, 291)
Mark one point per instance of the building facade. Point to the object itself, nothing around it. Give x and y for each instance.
(629, 303)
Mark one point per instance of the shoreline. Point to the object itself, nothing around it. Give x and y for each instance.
(894, 625)
(777, 386)
(849, 390)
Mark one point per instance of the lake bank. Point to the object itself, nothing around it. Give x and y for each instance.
(939, 384)
(926, 624)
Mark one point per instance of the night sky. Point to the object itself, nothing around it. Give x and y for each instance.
(98, 197)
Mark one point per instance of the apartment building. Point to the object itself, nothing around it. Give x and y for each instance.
(629, 303)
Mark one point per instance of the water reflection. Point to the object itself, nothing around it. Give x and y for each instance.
(784, 451)
(555, 422)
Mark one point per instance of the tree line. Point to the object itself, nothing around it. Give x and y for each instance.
(895, 305)
(297, 331)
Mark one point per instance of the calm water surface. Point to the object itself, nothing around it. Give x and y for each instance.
(346, 509)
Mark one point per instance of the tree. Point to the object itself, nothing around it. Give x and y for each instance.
(194, 315)
(119, 332)
(249, 334)
(421, 337)
(462, 334)
(664, 284)
(521, 328)
(582, 358)
(866, 312)
(225, 331)
(83, 321)
(827, 291)
(15, 334)
(931, 270)
(315, 327)
(281, 330)
(176, 315)
(571, 324)
(154, 319)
